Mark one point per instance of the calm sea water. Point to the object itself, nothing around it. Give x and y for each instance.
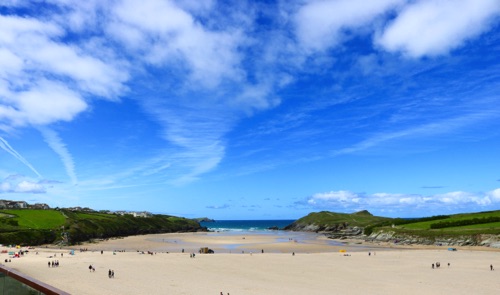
(245, 225)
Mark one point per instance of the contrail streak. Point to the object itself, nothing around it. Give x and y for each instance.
(6, 147)
(57, 145)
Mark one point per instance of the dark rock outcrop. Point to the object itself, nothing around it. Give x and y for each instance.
(462, 240)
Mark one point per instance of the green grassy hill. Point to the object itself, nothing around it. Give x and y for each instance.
(34, 227)
(458, 229)
(331, 221)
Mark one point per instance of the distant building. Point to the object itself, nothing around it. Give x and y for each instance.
(78, 208)
(39, 206)
(7, 204)
(135, 214)
(141, 214)
(74, 208)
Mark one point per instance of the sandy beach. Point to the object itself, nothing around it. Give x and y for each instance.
(291, 263)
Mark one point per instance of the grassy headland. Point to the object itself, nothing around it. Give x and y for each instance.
(464, 229)
(35, 227)
(331, 221)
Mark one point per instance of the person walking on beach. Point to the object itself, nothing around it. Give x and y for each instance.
(109, 273)
(491, 266)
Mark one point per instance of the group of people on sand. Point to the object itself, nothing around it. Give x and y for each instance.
(111, 273)
(438, 265)
(54, 263)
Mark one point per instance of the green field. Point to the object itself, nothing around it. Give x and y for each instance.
(426, 225)
(35, 219)
(469, 224)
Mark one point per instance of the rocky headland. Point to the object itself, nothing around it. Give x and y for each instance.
(365, 227)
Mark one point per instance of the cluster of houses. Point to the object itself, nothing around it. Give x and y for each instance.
(133, 213)
(7, 204)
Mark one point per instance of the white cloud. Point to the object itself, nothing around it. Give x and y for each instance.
(495, 195)
(44, 103)
(165, 34)
(43, 80)
(29, 187)
(388, 201)
(434, 27)
(210, 88)
(335, 197)
(19, 184)
(459, 197)
(321, 24)
(80, 16)
(420, 28)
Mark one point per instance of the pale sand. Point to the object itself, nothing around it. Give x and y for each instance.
(316, 268)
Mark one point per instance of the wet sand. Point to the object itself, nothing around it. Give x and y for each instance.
(239, 266)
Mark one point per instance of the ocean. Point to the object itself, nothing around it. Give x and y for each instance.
(245, 225)
(261, 227)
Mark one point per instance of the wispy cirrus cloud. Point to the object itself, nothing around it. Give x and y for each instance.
(209, 92)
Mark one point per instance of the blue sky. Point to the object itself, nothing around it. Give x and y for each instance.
(252, 110)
